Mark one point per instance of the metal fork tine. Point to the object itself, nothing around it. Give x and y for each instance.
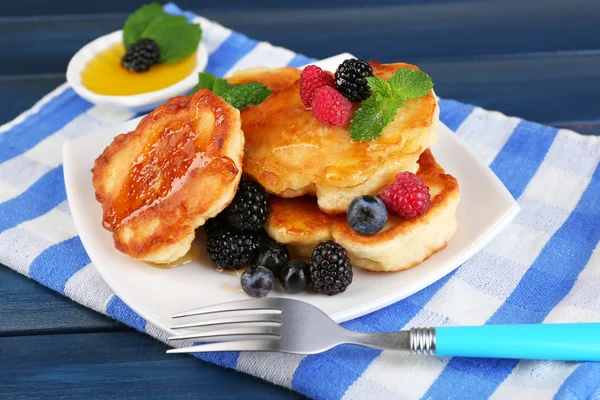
(241, 305)
(240, 345)
(259, 331)
(242, 319)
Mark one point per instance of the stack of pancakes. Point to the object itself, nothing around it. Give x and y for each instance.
(183, 162)
(314, 171)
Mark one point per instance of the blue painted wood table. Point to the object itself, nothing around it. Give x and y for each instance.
(539, 60)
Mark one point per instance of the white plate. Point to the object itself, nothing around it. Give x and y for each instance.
(135, 103)
(485, 208)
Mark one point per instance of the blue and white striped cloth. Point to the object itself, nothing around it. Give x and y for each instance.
(544, 267)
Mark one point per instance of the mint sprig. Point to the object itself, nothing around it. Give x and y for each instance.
(139, 20)
(239, 96)
(379, 110)
(410, 84)
(175, 37)
(247, 94)
(208, 81)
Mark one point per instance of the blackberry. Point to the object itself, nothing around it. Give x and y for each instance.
(249, 209)
(351, 79)
(330, 269)
(232, 250)
(141, 55)
(215, 224)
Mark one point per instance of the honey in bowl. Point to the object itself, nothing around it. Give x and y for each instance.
(104, 74)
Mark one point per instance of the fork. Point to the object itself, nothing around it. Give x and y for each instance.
(292, 326)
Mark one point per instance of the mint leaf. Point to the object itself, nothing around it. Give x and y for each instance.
(208, 81)
(205, 81)
(374, 114)
(138, 21)
(410, 84)
(381, 108)
(239, 96)
(176, 38)
(221, 87)
(379, 86)
(242, 96)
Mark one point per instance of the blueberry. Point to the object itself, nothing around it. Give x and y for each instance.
(257, 281)
(294, 276)
(274, 256)
(367, 215)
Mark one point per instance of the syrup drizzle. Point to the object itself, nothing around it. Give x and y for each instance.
(159, 171)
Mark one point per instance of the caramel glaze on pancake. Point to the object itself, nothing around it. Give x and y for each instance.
(402, 244)
(180, 166)
(292, 154)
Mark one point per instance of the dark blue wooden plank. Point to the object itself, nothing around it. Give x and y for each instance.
(28, 308)
(18, 93)
(586, 128)
(556, 89)
(428, 32)
(129, 365)
(414, 33)
(63, 7)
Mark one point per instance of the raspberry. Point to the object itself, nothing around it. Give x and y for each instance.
(311, 79)
(330, 107)
(407, 197)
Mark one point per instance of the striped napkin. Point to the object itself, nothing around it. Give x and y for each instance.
(544, 267)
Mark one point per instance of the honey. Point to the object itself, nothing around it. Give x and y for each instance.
(104, 74)
(168, 156)
(193, 254)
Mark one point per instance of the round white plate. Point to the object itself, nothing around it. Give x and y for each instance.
(485, 208)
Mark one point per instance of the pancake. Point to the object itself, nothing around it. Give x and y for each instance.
(292, 154)
(158, 183)
(401, 244)
(275, 79)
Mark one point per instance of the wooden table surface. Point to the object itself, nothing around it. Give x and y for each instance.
(536, 59)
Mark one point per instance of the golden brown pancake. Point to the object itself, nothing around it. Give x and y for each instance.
(401, 244)
(161, 181)
(292, 154)
(275, 79)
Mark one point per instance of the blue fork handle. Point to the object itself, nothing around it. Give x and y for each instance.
(567, 342)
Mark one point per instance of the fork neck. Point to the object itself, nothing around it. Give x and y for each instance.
(382, 341)
(415, 341)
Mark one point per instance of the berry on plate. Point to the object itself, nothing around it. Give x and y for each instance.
(407, 197)
(330, 269)
(249, 209)
(367, 215)
(257, 281)
(215, 224)
(351, 79)
(232, 250)
(330, 107)
(312, 78)
(141, 55)
(294, 276)
(274, 256)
